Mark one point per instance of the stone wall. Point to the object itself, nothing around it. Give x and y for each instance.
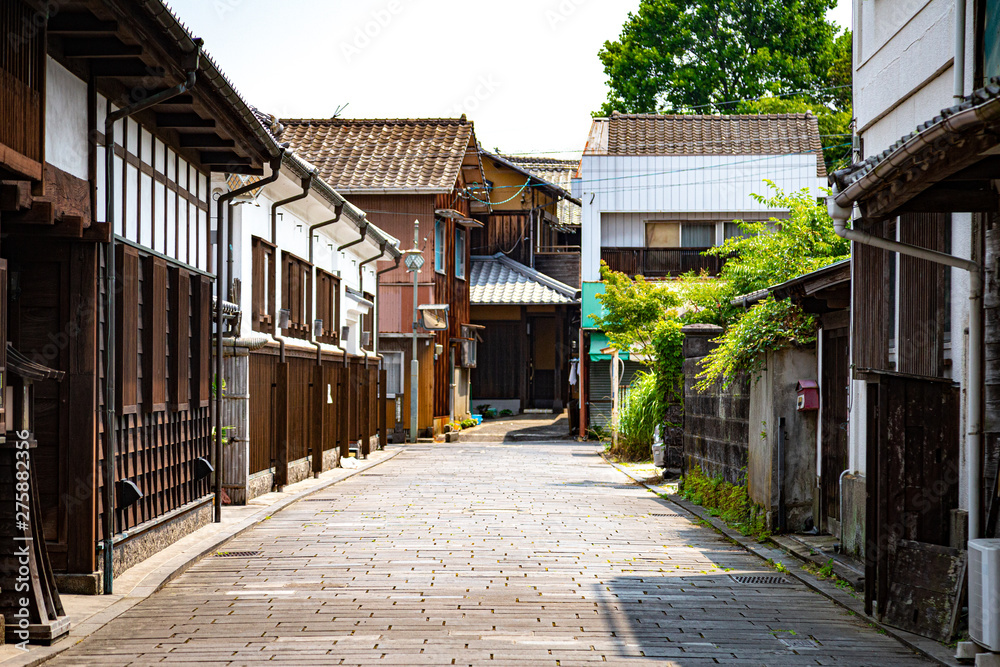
(716, 422)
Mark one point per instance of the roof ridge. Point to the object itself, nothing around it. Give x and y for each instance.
(377, 121)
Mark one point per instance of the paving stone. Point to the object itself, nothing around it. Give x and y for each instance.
(484, 553)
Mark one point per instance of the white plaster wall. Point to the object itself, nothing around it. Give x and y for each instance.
(254, 219)
(66, 145)
(648, 185)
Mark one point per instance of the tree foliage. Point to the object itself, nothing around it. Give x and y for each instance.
(632, 311)
(679, 56)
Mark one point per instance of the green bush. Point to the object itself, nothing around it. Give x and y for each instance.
(506, 413)
(641, 411)
(455, 426)
(469, 423)
(729, 501)
(483, 408)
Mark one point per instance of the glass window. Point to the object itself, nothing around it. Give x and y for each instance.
(439, 228)
(697, 235)
(393, 373)
(459, 253)
(733, 231)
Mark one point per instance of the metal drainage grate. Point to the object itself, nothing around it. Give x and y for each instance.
(317, 500)
(760, 580)
(371, 474)
(237, 554)
(668, 516)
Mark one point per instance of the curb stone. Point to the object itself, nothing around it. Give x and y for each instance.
(928, 648)
(170, 570)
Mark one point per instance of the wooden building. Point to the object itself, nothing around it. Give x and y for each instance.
(124, 443)
(530, 318)
(301, 396)
(401, 171)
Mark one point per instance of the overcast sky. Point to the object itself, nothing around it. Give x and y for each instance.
(525, 71)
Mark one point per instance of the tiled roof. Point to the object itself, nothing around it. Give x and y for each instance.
(388, 155)
(555, 171)
(989, 95)
(499, 280)
(654, 134)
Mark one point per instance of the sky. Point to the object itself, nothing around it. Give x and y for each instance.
(525, 71)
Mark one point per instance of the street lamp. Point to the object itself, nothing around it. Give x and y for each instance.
(414, 261)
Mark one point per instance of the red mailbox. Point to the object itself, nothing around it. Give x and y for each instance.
(808, 395)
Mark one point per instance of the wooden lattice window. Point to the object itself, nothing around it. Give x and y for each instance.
(296, 295)
(328, 306)
(263, 288)
(22, 87)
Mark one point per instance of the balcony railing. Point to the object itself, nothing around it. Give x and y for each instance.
(660, 262)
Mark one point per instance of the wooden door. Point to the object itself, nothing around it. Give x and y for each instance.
(833, 425)
(542, 362)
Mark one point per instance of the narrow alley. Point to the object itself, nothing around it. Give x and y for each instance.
(523, 553)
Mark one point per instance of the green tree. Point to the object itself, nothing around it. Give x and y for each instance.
(632, 311)
(679, 56)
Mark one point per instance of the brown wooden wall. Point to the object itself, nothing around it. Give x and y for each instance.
(315, 417)
(395, 214)
(922, 302)
(872, 306)
(506, 233)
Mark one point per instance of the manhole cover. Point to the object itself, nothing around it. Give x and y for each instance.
(237, 554)
(761, 580)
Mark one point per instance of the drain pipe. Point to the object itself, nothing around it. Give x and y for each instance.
(337, 210)
(220, 248)
(363, 230)
(841, 215)
(306, 184)
(110, 444)
(959, 61)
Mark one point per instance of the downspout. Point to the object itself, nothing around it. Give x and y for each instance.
(363, 230)
(361, 288)
(306, 184)
(337, 210)
(110, 444)
(974, 396)
(959, 61)
(220, 248)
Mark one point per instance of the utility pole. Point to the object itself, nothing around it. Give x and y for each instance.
(414, 261)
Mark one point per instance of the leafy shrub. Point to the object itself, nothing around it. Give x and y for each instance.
(469, 423)
(730, 501)
(483, 408)
(640, 413)
(454, 426)
(506, 413)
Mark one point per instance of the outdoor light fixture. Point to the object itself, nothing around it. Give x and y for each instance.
(345, 332)
(366, 338)
(284, 318)
(317, 328)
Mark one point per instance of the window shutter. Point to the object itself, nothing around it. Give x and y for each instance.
(180, 332)
(127, 330)
(201, 381)
(154, 321)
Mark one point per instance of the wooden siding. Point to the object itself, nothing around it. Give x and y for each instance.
(507, 233)
(563, 266)
(22, 85)
(157, 450)
(922, 302)
(872, 308)
(328, 306)
(395, 214)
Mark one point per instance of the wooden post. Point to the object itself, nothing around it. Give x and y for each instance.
(281, 424)
(383, 438)
(343, 409)
(316, 424)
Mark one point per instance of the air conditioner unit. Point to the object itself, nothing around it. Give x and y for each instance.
(984, 593)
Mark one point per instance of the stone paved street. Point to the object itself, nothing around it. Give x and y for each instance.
(474, 554)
